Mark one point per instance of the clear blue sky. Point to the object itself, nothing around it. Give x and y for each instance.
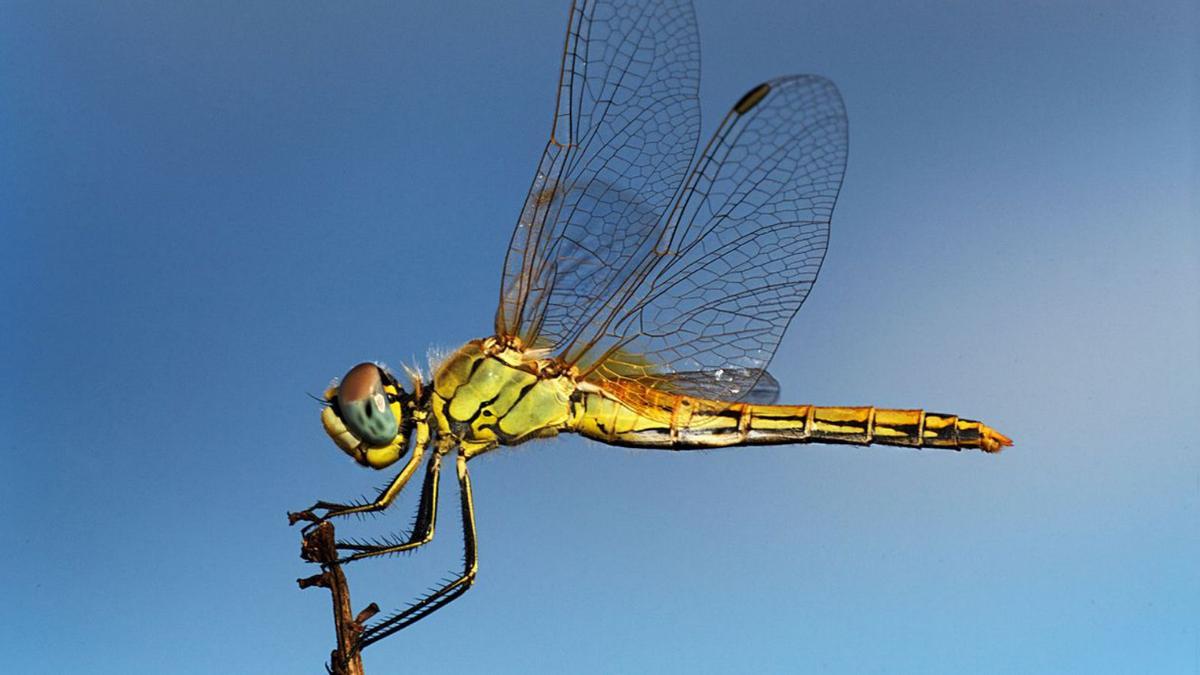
(190, 196)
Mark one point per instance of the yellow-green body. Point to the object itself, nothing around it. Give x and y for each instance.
(490, 393)
(487, 394)
(493, 392)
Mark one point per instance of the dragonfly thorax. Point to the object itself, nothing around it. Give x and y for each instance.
(494, 392)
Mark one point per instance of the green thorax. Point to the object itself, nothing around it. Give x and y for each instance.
(488, 394)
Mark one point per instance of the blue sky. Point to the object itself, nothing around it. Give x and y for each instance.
(210, 210)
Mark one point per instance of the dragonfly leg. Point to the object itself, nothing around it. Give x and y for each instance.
(448, 592)
(422, 531)
(385, 498)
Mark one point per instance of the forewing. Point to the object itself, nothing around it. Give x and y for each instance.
(744, 245)
(624, 133)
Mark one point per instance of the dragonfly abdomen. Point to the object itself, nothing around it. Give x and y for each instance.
(889, 426)
(681, 422)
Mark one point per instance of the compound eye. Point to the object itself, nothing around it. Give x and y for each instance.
(364, 406)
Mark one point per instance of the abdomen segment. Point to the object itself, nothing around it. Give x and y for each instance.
(681, 422)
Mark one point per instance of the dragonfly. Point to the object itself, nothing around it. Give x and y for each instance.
(643, 294)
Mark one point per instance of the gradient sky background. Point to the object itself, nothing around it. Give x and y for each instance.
(209, 210)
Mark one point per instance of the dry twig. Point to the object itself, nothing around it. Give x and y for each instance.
(319, 547)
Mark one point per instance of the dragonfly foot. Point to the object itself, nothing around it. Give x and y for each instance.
(297, 516)
(310, 514)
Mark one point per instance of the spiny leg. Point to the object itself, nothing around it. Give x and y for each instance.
(422, 531)
(441, 597)
(385, 498)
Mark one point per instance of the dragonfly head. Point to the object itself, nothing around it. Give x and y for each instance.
(365, 416)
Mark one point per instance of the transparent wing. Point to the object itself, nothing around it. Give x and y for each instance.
(625, 131)
(717, 384)
(742, 248)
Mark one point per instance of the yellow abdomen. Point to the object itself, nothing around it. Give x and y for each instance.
(641, 417)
